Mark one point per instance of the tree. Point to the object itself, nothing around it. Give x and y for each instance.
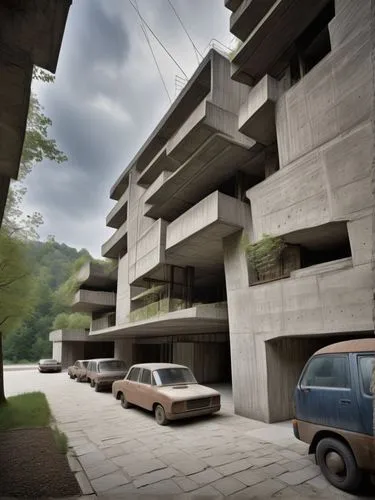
(37, 147)
(15, 276)
(16, 290)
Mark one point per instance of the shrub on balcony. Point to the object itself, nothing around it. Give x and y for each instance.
(264, 256)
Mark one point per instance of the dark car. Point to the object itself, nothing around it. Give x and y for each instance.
(49, 365)
(101, 373)
(334, 410)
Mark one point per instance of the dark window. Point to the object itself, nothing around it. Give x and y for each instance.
(171, 376)
(367, 373)
(146, 377)
(112, 366)
(134, 374)
(327, 371)
(313, 44)
(76, 364)
(84, 364)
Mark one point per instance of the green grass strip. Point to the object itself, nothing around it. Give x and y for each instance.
(25, 410)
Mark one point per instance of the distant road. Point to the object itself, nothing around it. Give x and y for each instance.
(19, 367)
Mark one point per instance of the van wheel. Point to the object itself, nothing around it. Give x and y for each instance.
(160, 417)
(92, 383)
(124, 403)
(338, 464)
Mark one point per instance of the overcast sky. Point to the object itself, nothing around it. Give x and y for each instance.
(106, 100)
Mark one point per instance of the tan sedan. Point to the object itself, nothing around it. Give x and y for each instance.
(169, 390)
(78, 370)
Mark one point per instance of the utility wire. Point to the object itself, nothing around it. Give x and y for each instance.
(156, 62)
(153, 34)
(153, 54)
(197, 53)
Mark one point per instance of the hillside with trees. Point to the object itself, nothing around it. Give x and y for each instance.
(52, 265)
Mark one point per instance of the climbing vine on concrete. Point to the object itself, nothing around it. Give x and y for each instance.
(265, 254)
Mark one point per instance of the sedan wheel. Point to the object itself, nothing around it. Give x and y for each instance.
(160, 417)
(338, 464)
(124, 402)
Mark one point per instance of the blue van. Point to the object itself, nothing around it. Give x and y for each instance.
(335, 411)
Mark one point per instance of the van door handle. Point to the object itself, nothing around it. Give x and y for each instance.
(345, 402)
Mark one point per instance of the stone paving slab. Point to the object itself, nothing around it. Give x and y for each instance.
(121, 453)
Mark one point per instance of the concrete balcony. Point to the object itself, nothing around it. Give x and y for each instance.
(232, 4)
(119, 213)
(117, 243)
(202, 318)
(262, 51)
(106, 321)
(209, 147)
(157, 184)
(257, 114)
(195, 238)
(148, 253)
(89, 301)
(161, 163)
(92, 275)
(247, 15)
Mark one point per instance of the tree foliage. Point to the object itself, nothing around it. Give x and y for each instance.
(52, 263)
(37, 147)
(71, 321)
(16, 284)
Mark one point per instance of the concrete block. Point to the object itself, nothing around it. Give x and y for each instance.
(300, 476)
(205, 477)
(228, 485)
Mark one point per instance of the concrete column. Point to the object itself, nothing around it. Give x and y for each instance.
(123, 292)
(124, 350)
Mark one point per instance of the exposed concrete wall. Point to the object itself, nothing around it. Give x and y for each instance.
(57, 351)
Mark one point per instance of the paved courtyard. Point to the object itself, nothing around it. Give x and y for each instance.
(124, 452)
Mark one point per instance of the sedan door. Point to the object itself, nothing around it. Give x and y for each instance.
(366, 395)
(145, 390)
(131, 385)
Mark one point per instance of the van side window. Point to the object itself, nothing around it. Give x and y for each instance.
(367, 374)
(327, 371)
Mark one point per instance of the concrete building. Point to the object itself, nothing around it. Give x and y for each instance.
(31, 32)
(278, 141)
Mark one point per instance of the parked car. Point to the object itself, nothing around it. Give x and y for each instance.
(170, 391)
(49, 365)
(78, 370)
(102, 373)
(334, 411)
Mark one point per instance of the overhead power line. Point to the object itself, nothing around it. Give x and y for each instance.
(153, 34)
(197, 53)
(152, 52)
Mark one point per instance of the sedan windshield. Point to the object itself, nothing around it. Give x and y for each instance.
(112, 366)
(84, 364)
(172, 376)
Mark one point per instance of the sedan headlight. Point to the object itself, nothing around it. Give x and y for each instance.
(178, 407)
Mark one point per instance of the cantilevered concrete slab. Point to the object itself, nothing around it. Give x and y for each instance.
(205, 318)
(119, 213)
(257, 114)
(116, 243)
(93, 276)
(247, 15)
(263, 49)
(161, 162)
(218, 158)
(90, 301)
(195, 238)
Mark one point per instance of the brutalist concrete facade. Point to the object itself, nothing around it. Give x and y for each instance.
(277, 141)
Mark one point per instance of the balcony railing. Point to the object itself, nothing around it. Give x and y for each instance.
(117, 242)
(104, 322)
